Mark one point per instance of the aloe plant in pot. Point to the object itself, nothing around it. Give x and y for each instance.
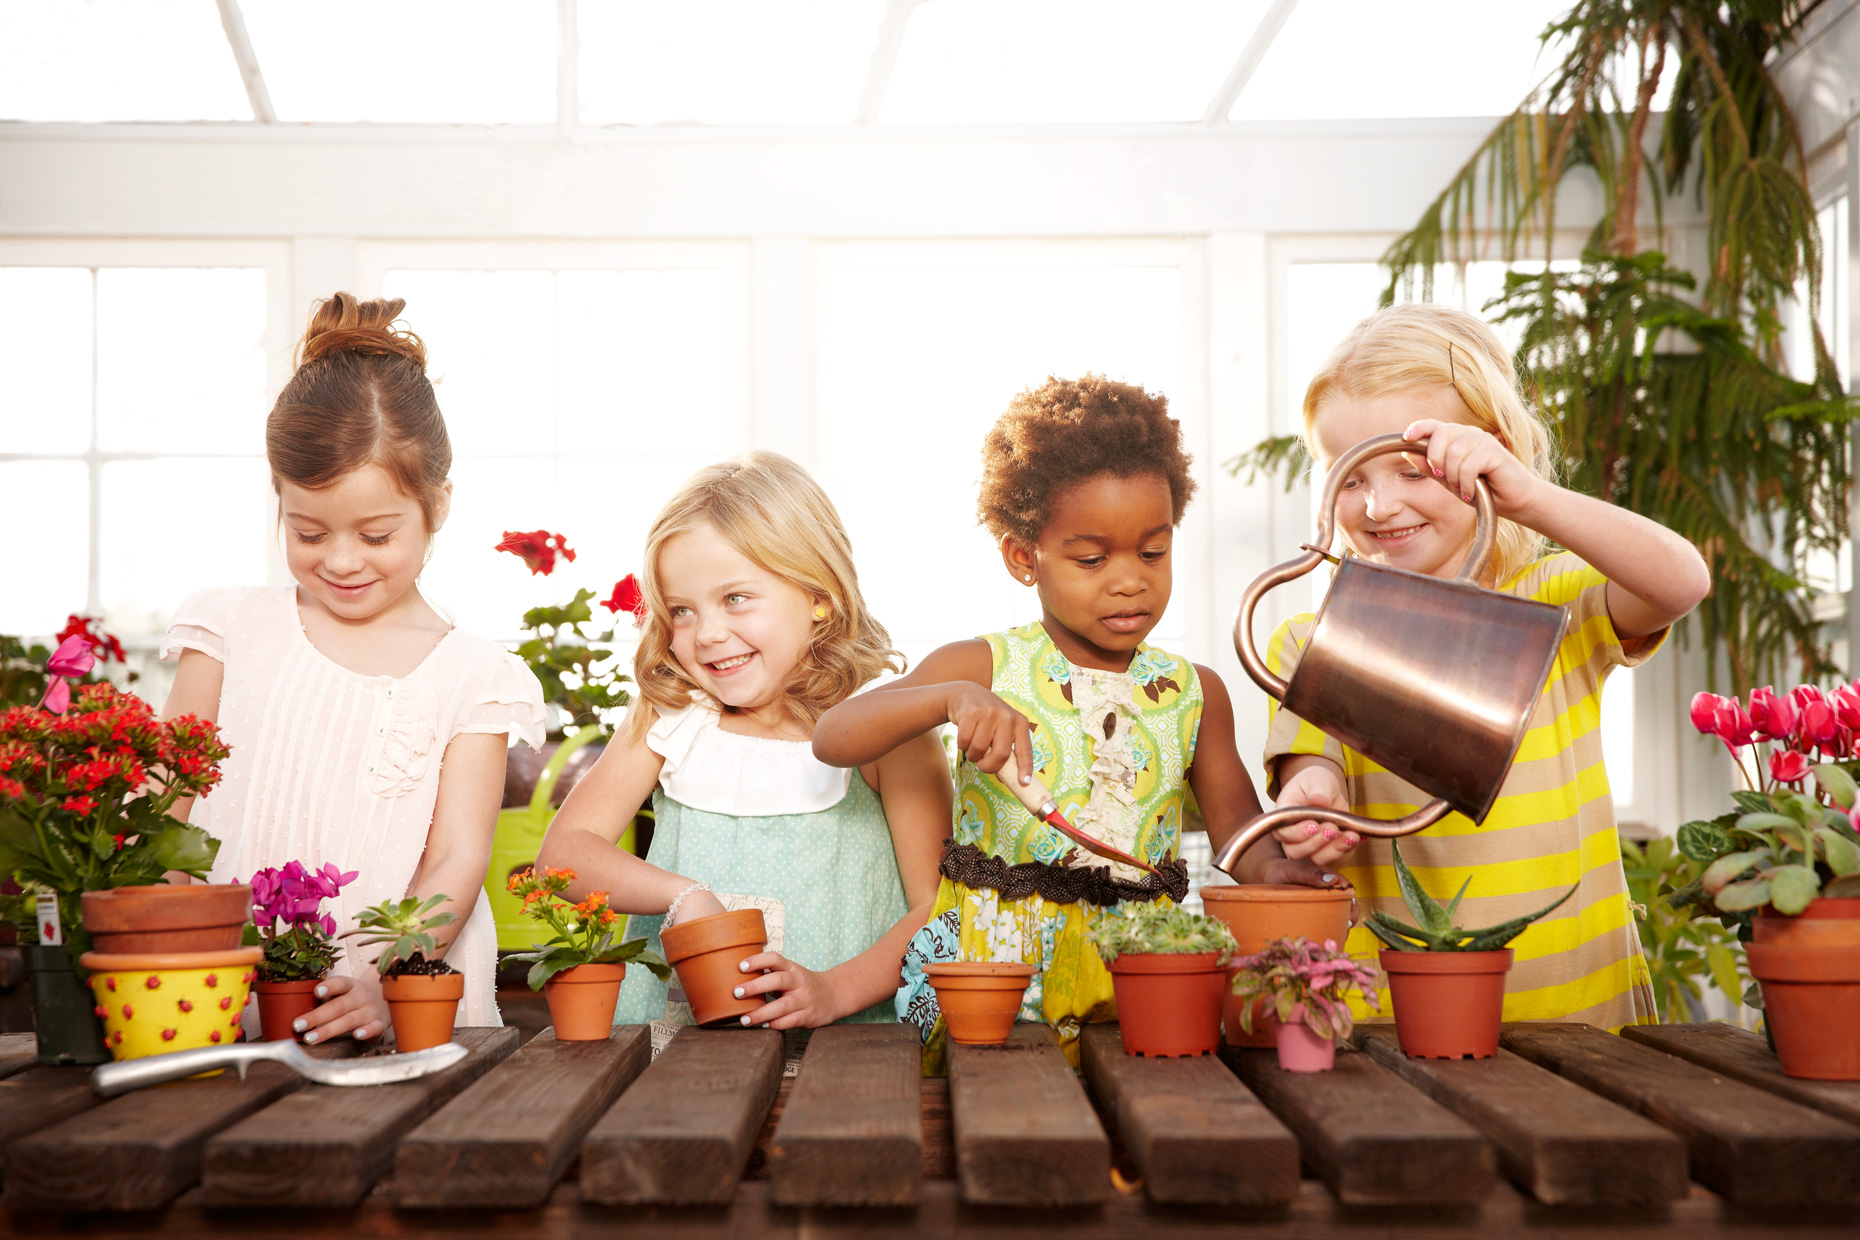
(1446, 983)
(1169, 971)
(422, 992)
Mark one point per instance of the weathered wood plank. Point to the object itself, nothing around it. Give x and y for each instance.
(1371, 1137)
(510, 1135)
(18, 1052)
(1563, 1144)
(682, 1135)
(1195, 1132)
(40, 1097)
(326, 1145)
(852, 1133)
(1747, 1057)
(1752, 1146)
(1026, 1134)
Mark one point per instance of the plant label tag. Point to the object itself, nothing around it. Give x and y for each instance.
(51, 930)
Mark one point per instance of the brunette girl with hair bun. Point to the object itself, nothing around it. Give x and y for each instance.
(366, 730)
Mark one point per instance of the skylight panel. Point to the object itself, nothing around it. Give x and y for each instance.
(467, 62)
(725, 62)
(1034, 61)
(117, 60)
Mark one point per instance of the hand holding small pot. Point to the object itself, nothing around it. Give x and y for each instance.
(799, 998)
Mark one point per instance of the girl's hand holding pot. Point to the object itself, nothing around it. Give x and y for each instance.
(804, 999)
(357, 1010)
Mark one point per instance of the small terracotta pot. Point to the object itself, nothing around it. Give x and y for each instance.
(1301, 1050)
(706, 953)
(582, 1001)
(1169, 1005)
(1257, 913)
(979, 998)
(154, 1003)
(423, 1007)
(1811, 1002)
(166, 918)
(1447, 1004)
(281, 1003)
(1824, 923)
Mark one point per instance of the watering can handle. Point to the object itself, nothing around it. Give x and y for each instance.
(1485, 537)
(1286, 815)
(545, 783)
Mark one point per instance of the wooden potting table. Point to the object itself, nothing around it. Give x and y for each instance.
(1673, 1131)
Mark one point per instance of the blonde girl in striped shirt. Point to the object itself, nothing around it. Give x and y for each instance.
(1428, 372)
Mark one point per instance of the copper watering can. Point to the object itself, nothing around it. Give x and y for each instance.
(1432, 679)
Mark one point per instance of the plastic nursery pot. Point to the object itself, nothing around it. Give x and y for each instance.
(706, 952)
(423, 1007)
(1447, 1004)
(1811, 1001)
(166, 918)
(582, 1001)
(1257, 913)
(64, 1014)
(1169, 1005)
(152, 1004)
(1301, 1050)
(979, 999)
(281, 1003)
(1824, 923)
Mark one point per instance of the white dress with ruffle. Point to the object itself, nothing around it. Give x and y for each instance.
(328, 765)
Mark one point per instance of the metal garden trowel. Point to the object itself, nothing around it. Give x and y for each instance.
(112, 1079)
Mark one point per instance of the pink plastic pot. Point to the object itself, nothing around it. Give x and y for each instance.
(1300, 1050)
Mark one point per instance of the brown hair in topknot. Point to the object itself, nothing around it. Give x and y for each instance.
(360, 397)
(1068, 430)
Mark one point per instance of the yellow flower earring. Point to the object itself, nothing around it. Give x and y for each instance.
(820, 612)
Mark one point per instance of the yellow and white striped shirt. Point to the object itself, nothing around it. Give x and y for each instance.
(1552, 825)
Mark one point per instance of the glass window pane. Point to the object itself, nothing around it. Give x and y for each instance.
(486, 590)
(181, 359)
(642, 361)
(981, 61)
(117, 60)
(45, 333)
(442, 61)
(915, 366)
(174, 526)
(47, 564)
(759, 62)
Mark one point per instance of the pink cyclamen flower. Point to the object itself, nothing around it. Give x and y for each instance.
(1846, 703)
(1775, 717)
(1820, 726)
(1705, 708)
(1735, 725)
(74, 657)
(1788, 767)
(1802, 695)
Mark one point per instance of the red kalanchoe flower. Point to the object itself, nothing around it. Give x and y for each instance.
(1788, 767)
(628, 596)
(538, 549)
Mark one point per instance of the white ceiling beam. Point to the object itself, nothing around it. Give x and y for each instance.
(884, 59)
(567, 65)
(1250, 58)
(233, 22)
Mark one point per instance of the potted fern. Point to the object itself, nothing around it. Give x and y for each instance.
(580, 969)
(422, 992)
(1169, 971)
(1447, 984)
(1308, 988)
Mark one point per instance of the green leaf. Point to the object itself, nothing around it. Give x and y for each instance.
(1837, 783)
(1702, 841)
(1396, 934)
(1840, 852)
(1429, 914)
(1454, 906)
(1752, 802)
(1728, 867)
(1751, 893)
(1767, 820)
(181, 847)
(1723, 965)
(1793, 888)
(1495, 937)
(1843, 888)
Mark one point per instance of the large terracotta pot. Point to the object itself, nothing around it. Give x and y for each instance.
(154, 1003)
(1301, 1050)
(423, 1007)
(582, 1001)
(1447, 1004)
(166, 918)
(64, 1014)
(706, 953)
(1257, 913)
(1811, 1001)
(1169, 1005)
(979, 998)
(1824, 923)
(279, 1006)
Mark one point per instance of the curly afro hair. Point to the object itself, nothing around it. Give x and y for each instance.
(1068, 430)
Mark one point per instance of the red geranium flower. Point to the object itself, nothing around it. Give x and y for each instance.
(104, 645)
(628, 596)
(538, 549)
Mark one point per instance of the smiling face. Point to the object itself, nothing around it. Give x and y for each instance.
(1392, 511)
(1102, 566)
(356, 547)
(738, 630)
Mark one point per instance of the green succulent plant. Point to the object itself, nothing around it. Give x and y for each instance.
(406, 926)
(1437, 933)
(1161, 927)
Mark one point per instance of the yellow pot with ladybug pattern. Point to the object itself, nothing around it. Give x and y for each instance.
(152, 1004)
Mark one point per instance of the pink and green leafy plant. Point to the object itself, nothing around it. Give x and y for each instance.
(287, 911)
(1299, 976)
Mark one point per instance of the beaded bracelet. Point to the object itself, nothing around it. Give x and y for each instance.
(672, 910)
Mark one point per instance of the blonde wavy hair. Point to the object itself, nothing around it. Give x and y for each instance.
(1421, 345)
(776, 515)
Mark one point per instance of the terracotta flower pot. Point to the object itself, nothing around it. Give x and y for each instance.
(1811, 1002)
(1257, 913)
(281, 1003)
(1301, 1050)
(151, 1004)
(167, 918)
(423, 1007)
(979, 998)
(1169, 1005)
(706, 953)
(1447, 1004)
(1824, 923)
(582, 1001)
